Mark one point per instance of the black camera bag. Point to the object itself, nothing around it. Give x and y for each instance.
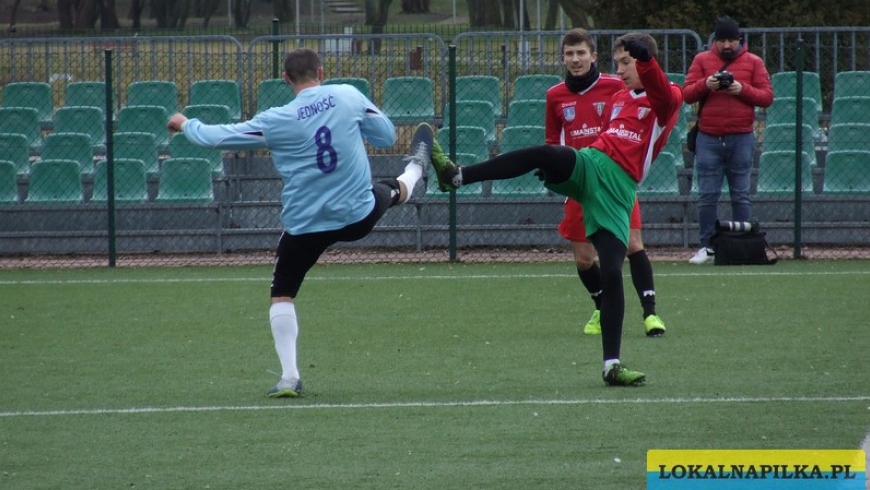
(741, 247)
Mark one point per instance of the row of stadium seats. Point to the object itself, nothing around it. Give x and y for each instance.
(60, 181)
(402, 96)
(190, 180)
(409, 96)
(80, 148)
(406, 98)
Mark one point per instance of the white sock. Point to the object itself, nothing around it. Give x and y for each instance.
(413, 173)
(282, 317)
(608, 363)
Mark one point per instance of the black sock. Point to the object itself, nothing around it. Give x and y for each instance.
(557, 162)
(611, 255)
(591, 279)
(642, 277)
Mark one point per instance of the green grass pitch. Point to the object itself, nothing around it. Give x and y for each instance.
(417, 376)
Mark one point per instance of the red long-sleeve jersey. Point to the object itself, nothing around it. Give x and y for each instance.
(576, 119)
(641, 123)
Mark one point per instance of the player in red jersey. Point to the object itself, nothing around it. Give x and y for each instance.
(577, 110)
(603, 177)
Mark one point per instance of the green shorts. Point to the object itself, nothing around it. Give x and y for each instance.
(605, 190)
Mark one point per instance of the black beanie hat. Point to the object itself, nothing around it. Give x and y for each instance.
(726, 28)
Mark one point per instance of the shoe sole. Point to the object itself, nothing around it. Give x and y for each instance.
(285, 393)
(638, 382)
(423, 134)
(656, 332)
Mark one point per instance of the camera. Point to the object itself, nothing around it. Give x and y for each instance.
(725, 78)
(736, 225)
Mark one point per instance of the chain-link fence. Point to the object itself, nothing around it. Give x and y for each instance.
(88, 170)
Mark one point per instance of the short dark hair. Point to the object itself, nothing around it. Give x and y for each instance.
(301, 65)
(578, 36)
(643, 38)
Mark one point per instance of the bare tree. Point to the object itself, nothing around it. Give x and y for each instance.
(241, 12)
(415, 6)
(205, 9)
(371, 10)
(85, 14)
(383, 13)
(284, 10)
(577, 11)
(552, 15)
(134, 13)
(41, 5)
(484, 13)
(65, 13)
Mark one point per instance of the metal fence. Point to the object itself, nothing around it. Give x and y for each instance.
(88, 173)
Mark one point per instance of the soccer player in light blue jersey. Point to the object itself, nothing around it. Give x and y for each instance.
(317, 146)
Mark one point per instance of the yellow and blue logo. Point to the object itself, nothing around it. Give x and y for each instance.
(756, 469)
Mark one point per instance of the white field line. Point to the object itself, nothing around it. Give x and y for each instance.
(478, 403)
(265, 277)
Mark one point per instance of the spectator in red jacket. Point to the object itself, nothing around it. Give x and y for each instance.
(730, 82)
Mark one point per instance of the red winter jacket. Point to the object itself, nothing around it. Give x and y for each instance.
(725, 113)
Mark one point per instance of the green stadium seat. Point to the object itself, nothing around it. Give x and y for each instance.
(180, 147)
(218, 92)
(154, 92)
(8, 182)
(850, 110)
(474, 113)
(781, 137)
(784, 111)
(662, 176)
(674, 145)
(55, 181)
(408, 99)
(533, 87)
(527, 113)
(14, 148)
(682, 125)
(851, 84)
(776, 172)
(138, 146)
(24, 121)
(35, 95)
(273, 93)
(149, 119)
(481, 87)
(70, 146)
(361, 84)
(849, 137)
(469, 140)
(131, 185)
(517, 137)
(185, 180)
(86, 94)
(784, 84)
(847, 172)
(209, 113)
(82, 119)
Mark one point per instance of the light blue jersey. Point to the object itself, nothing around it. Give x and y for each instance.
(317, 147)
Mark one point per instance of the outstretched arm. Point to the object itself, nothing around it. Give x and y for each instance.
(239, 136)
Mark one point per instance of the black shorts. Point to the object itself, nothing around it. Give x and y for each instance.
(297, 254)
